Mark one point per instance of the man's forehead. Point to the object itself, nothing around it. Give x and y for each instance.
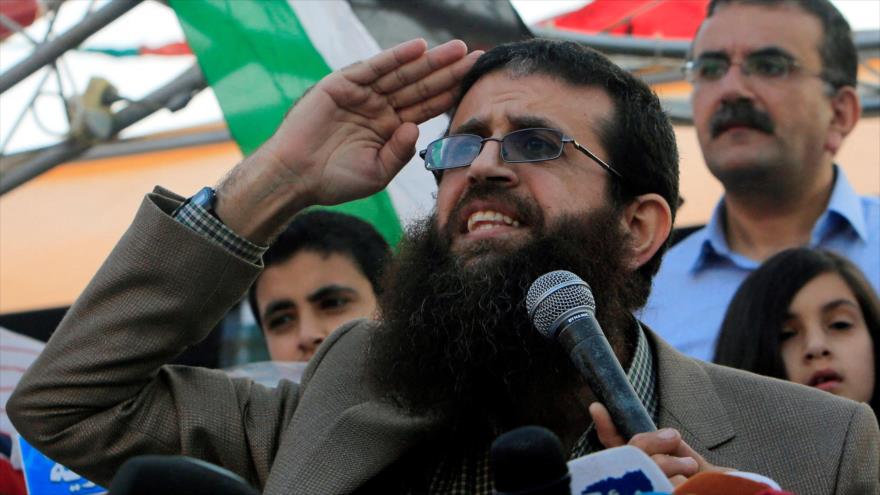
(482, 125)
(502, 101)
(743, 28)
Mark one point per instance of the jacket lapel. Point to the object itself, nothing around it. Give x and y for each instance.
(689, 401)
(342, 434)
(356, 447)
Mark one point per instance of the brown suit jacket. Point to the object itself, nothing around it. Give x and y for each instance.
(99, 393)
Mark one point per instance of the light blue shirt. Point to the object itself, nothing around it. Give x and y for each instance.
(700, 275)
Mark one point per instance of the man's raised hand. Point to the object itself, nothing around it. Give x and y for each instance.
(357, 127)
(346, 138)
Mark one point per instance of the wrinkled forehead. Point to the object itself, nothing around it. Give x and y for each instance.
(513, 71)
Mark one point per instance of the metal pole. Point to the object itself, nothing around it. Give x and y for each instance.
(624, 45)
(620, 45)
(47, 53)
(43, 162)
(867, 40)
(16, 28)
(174, 95)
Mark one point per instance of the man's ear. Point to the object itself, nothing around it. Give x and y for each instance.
(846, 112)
(648, 220)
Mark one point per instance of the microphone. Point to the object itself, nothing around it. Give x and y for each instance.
(151, 474)
(529, 461)
(623, 469)
(562, 308)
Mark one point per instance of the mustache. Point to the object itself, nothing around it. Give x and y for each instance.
(739, 113)
(527, 213)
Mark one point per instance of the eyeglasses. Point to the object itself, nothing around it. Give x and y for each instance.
(522, 146)
(772, 65)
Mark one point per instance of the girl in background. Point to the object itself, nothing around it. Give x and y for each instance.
(808, 316)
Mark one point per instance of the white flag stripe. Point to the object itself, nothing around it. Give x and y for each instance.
(341, 39)
(335, 32)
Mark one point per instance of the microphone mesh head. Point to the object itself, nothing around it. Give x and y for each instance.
(552, 295)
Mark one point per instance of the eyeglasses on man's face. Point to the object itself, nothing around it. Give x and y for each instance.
(768, 65)
(521, 146)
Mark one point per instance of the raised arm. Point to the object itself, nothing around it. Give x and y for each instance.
(345, 139)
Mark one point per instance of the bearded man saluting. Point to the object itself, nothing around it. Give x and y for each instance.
(555, 159)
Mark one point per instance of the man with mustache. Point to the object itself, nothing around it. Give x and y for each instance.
(555, 158)
(773, 100)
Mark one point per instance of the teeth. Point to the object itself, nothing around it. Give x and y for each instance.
(490, 218)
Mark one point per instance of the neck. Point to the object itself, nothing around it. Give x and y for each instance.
(759, 224)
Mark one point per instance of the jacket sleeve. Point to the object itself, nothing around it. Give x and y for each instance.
(99, 394)
(860, 461)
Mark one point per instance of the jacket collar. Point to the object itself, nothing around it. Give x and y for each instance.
(342, 435)
(844, 210)
(688, 399)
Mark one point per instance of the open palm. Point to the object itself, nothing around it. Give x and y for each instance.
(351, 133)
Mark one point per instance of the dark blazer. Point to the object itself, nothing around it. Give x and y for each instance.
(99, 393)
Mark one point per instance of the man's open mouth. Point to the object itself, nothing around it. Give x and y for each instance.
(489, 219)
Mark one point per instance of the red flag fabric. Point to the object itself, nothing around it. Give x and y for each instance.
(23, 12)
(178, 48)
(644, 18)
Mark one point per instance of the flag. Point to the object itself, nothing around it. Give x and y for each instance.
(259, 57)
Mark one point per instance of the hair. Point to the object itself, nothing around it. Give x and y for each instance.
(838, 52)
(751, 330)
(639, 137)
(328, 232)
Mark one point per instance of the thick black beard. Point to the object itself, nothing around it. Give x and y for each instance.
(457, 340)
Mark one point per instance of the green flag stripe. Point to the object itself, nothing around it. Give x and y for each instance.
(258, 59)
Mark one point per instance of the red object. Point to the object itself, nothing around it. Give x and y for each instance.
(11, 480)
(23, 12)
(715, 483)
(179, 48)
(644, 18)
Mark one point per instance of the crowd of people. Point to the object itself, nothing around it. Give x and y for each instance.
(555, 158)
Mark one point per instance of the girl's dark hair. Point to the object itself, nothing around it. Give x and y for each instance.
(751, 330)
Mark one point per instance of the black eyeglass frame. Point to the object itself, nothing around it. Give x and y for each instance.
(563, 138)
(691, 67)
